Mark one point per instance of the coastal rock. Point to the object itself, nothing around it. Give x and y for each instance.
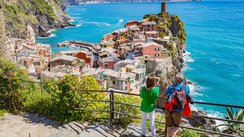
(42, 16)
(201, 122)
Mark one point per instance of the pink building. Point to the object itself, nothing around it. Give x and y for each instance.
(152, 50)
(108, 62)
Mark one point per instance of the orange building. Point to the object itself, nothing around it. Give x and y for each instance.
(85, 56)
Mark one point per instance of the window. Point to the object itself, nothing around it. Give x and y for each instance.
(155, 49)
(114, 82)
(106, 65)
(158, 49)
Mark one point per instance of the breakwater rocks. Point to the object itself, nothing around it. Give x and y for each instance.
(93, 47)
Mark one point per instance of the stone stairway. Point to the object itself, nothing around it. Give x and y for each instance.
(75, 129)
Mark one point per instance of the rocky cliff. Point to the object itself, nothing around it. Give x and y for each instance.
(2, 35)
(42, 15)
(172, 26)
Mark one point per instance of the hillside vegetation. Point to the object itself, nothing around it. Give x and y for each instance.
(42, 15)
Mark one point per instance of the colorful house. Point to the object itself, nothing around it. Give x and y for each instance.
(108, 62)
(64, 60)
(149, 26)
(151, 50)
(132, 23)
(124, 82)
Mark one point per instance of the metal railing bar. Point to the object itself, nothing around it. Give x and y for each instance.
(94, 90)
(191, 128)
(216, 104)
(196, 102)
(220, 119)
(196, 129)
(159, 110)
(106, 101)
(125, 104)
(96, 110)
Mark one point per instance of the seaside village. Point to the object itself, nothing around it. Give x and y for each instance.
(120, 62)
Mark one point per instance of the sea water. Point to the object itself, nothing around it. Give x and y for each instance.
(215, 41)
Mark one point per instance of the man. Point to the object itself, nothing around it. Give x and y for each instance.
(173, 111)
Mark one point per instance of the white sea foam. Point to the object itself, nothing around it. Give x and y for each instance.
(187, 57)
(78, 25)
(186, 67)
(51, 36)
(121, 21)
(216, 61)
(211, 113)
(72, 20)
(96, 23)
(196, 89)
(51, 30)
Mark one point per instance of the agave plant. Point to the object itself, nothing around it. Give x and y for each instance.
(237, 115)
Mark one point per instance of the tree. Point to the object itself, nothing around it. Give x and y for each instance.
(12, 86)
(151, 18)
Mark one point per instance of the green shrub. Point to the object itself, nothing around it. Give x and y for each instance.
(64, 101)
(12, 87)
(44, 8)
(151, 18)
(189, 133)
(2, 112)
(126, 109)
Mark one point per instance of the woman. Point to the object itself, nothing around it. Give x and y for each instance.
(149, 94)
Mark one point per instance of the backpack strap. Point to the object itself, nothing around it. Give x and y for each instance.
(183, 88)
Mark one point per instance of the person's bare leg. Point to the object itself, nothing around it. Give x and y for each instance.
(174, 131)
(169, 131)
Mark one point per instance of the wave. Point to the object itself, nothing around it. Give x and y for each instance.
(187, 57)
(216, 61)
(51, 36)
(51, 30)
(211, 113)
(71, 20)
(196, 89)
(186, 67)
(121, 21)
(96, 23)
(78, 25)
(236, 75)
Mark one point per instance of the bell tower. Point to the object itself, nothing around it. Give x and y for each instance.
(163, 7)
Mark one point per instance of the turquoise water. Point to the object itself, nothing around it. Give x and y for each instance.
(215, 39)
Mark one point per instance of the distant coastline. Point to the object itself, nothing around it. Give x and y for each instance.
(78, 2)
